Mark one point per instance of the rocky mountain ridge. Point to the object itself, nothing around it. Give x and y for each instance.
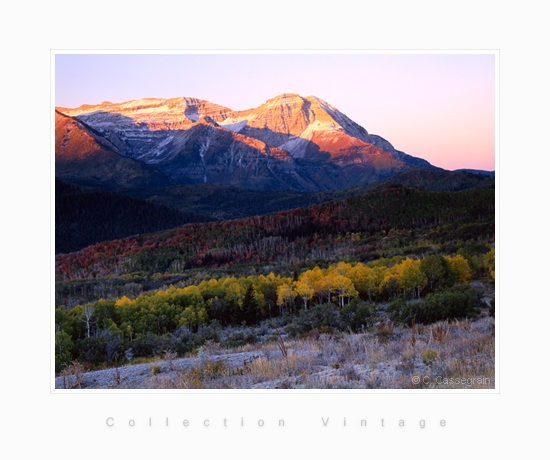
(84, 156)
(289, 142)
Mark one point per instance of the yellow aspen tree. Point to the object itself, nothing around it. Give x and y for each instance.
(375, 277)
(344, 287)
(460, 266)
(285, 296)
(410, 275)
(328, 283)
(123, 301)
(419, 278)
(314, 277)
(305, 290)
(390, 283)
(191, 290)
(234, 292)
(342, 268)
(321, 289)
(358, 276)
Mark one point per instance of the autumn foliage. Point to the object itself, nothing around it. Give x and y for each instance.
(355, 226)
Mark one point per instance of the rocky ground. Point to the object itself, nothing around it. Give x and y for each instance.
(137, 376)
(458, 350)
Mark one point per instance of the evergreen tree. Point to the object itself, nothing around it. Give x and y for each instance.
(251, 308)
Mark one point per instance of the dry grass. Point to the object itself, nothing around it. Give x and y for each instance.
(155, 369)
(169, 357)
(439, 356)
(72, 375)
(439, 331)
(117, 373)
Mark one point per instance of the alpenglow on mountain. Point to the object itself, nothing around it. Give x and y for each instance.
(289, 142)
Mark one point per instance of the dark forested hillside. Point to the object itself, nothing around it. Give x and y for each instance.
(440, 180)
(357, 225)
(221, 202)
(84, 217)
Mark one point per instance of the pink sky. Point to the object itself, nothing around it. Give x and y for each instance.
(440, 107)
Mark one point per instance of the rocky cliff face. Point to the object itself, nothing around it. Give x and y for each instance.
(84, 157)
(288, 142)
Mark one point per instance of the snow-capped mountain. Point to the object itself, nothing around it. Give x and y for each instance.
(288, 142)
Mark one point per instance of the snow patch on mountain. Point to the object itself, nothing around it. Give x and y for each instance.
(231, 125)
(193, 116)
(296, 146)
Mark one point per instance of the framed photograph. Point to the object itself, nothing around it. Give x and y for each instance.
(279, 221)
(291, 229)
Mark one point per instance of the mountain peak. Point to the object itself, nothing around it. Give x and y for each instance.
(288, 141)
(283, 97)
